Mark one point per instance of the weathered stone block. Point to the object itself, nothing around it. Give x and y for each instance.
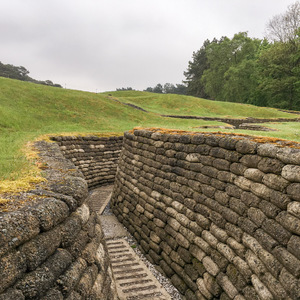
(250, 161)
(269, 209)
(279, 199)
(234, 231)
(197, 252)
(221, 164)
(227, 285)
(237, 168)
(238, 206)
(243, 183)
(274, 229)
(187, 234)
(294, 209)
(210, 171)
(250, 293)
(12, 266)
(40, 248)
(53, 294)
(226, 251)
(211, 284)
(237, 247)
(294, 246)
(12, 294)
(289, 155)
(293, 191)
(254, 174)
(246, 146)
(250, 199)
(50, 212)
(75, 187)
(267, 150)
(275, 182)
(243, 268)
(179, 283)
(185, 254)
(36, 283)
(166, 268)
(247, 225)
(270, 165)
(291, 173)
(219, 259)
(289, 222)
(219, 233)
(202, 288)
(261, 190)
(290, 283)
(71, 227)
(260, 288)
(17, 228)
(87, 281)
(256, 215)
(289, 261)
(71, 277)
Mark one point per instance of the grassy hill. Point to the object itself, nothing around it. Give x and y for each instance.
(29, 110)
(169, 104)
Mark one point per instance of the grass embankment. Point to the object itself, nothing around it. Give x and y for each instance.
(28, 111)
(169, 104)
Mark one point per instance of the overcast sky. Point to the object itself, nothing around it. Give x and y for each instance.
(101, 45)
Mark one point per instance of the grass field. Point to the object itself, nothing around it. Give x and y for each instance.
(28, 111)
(169, 104)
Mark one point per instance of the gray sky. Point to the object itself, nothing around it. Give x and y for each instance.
(101, 45)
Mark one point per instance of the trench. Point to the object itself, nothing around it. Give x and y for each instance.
(217, 214)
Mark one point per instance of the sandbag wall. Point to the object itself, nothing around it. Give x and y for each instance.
(53, 246)
(218, 214)
(96, 157)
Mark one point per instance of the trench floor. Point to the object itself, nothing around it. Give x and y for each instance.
(133, 278)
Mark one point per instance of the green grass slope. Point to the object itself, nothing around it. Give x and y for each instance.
(170, 104)
(29, 110)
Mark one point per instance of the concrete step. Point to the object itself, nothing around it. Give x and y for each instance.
(133, 279)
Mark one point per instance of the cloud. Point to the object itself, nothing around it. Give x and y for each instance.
(106, 44)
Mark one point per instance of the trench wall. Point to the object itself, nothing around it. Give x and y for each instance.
(218, 214)
(96, 157)
(53, 246)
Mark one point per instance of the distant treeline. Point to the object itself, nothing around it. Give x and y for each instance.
(264, 72)
(167, 88)
(21, 73)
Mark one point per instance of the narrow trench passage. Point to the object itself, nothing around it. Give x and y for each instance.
(136, 278)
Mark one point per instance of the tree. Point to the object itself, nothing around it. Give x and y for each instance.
(283, 27)
(149, 89)
(230, 75)
(195, 71)
(242, 79)
(21, 73)
(125, 89)
(169, 88)
(280, 69)
(180, 89)
(14, 72)
(158, 89)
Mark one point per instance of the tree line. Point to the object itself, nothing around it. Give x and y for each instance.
(21, 73)
(264, 72)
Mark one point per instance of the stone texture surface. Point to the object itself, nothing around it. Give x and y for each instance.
(49, 248)
(219, 215)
